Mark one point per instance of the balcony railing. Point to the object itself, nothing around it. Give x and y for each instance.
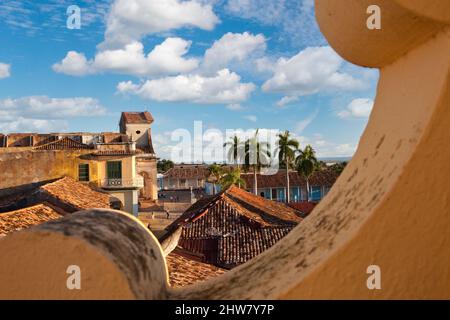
(137, 182)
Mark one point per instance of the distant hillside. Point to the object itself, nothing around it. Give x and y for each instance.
(335, 159)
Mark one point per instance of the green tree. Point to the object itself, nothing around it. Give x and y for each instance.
(306, 164)
(215, 174)
(164, 165)
(287, 148)
(257, 155)
(235, 146)
(338, 167)
(232, 178)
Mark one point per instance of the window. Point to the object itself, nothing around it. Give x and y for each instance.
(274, 194)
(294, 194)
(316, 193)
(281, 194)
(114, 169)
(278, 194)
(83, 172)
(138, 132)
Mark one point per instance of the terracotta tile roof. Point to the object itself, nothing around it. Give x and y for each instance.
(320, 178)
(26, 218)
(234, 226)
(184, 270)
(68, 192)
(257, 209)
(305, 207)
(65, 143)
(137, 117)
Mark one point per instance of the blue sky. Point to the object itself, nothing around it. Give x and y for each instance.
(232, 64)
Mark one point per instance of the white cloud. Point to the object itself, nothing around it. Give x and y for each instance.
(163, 144)
(303, 124)
(251, 118)
(232, 47)
(46, 107)
(264, 11)
(265, 64)
(358, 108)
(345, 149)
(4, 70)
(286, 100)
(130, 20)
(165, 59)
(33, 125)
(235, 107)
(325, 148)
(44, 114)
(128, 87)
(307, 5)
(74, 64)
(312, 70)
(224, 87)
(295, 20)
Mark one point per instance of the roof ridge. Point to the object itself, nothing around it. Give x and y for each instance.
(59, 141)
(259, 217)
(4, 214)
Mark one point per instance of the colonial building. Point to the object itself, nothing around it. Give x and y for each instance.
(273, 187)
(122, 164)
(137, 127)
(185, 176)
(232, 227)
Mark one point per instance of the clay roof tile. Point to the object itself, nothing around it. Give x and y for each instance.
(75, 194)
(137, 117)
(26, 218)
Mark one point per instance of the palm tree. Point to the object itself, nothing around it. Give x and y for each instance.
(257, 155)
(215, 174)
(306, 164)
(234, 153)
(235, 146)
(286, 154)
(232, 178)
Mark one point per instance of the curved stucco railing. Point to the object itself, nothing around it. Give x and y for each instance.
(390, 207)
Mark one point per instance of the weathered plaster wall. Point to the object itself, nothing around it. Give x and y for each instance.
(128, 167)
(142, 137)
(148, 170)
(29, 166)
(129, 199)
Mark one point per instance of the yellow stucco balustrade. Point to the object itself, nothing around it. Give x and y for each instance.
(390, 207)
